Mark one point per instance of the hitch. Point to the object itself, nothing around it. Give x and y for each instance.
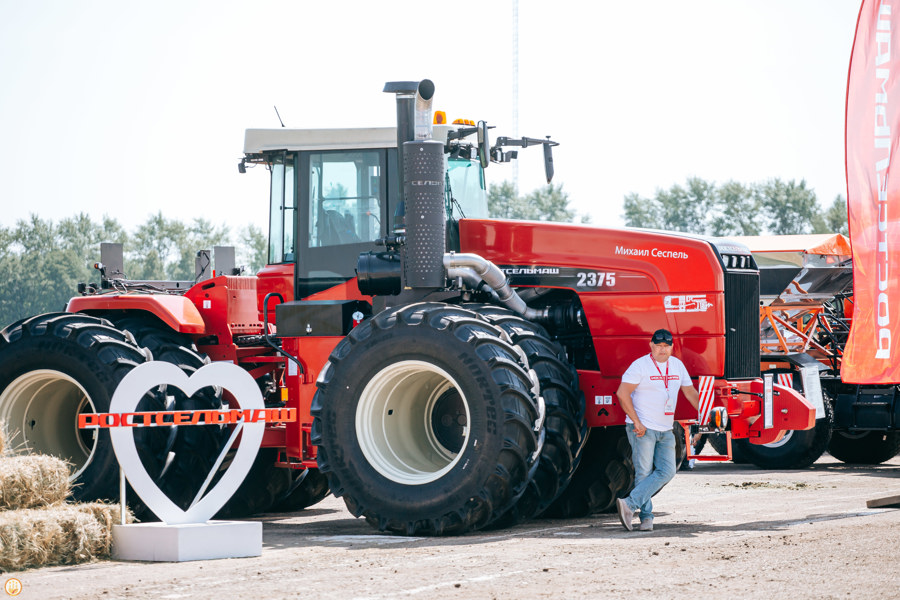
(718, 427)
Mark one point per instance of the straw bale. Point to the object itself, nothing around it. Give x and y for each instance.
(56, 535)
(63, 534)
(32, 480)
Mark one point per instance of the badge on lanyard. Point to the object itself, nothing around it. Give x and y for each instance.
(670, 400)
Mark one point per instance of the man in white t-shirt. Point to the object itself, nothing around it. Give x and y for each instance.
(647, 394)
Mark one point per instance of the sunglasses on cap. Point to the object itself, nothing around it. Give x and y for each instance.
(661, 336)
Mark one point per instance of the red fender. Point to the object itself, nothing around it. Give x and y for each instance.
(177, 312)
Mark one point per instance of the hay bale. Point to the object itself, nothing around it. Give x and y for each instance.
(57, 535)
(62, 534)
(33, 480)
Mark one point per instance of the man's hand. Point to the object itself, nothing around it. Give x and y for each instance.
(639, 429)
(624, 396)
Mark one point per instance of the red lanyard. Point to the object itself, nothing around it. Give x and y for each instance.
(666, 378)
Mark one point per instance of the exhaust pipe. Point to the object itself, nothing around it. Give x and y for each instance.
(424, 97)
(474, 269)
(413, 102)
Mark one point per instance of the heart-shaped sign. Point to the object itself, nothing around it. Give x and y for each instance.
(151, 374)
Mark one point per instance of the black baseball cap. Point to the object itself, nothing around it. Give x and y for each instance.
(662, 336)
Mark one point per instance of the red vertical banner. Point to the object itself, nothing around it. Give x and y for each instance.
(872, 135)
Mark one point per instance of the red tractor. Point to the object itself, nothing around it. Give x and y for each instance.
(450, 371)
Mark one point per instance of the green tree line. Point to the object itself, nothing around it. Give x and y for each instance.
(548, 203)
(42, 262)
(773, 207)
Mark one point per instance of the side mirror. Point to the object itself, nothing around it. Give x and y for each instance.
(548, 162)
(484, 145)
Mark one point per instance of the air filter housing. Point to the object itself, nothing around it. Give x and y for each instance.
(426, 234)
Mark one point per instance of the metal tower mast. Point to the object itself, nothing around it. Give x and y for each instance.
(515, 88)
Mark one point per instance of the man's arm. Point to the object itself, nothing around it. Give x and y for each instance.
(624, 395)
(690, 392)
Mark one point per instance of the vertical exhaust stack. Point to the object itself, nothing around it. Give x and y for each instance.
(421, 164)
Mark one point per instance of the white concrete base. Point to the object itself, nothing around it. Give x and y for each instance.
(193, 541)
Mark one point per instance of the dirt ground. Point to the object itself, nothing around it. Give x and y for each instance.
(722, 530)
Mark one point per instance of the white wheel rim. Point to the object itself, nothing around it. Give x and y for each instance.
(394, 423)
(784, 440)
(40, 410)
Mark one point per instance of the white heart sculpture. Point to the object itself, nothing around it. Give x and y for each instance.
(149, 375)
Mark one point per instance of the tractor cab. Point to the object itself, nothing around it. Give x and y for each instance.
(335, 194)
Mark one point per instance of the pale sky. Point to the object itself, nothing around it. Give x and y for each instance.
(127, 108)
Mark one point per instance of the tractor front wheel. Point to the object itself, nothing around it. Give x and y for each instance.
(425, 421)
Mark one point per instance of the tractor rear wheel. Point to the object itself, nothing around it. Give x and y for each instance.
(605, 473)
(564, 425)
(261, 489)
(865, 448)
(425, 422)
(56, 366)
(194, 449)
(308, 487)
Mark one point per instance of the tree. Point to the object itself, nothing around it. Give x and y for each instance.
(201, 235)
(736, 211)
(733, 209)
(788, 208)
(679, 208)
(253, 251)
(42, 263)
(836, 216)
(548, 203)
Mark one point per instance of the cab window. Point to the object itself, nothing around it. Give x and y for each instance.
(282, 207)
(345, 198)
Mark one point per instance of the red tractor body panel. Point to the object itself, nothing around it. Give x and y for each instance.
(178, 312)
(659, 281)
(630, 283)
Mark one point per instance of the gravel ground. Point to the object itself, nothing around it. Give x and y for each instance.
(722, 530)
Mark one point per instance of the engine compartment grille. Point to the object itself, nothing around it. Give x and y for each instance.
(741, 324)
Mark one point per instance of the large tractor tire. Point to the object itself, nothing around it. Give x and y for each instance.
(194, 449)
(425, 421)
(605, 473)
(564, 425)
(681, 449)
(865, 448)
(264, 485)
(56, 366)
(719, 443)
(796, 450)
(308, 487)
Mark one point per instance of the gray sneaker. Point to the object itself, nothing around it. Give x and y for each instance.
(646, 525)
(626, 515)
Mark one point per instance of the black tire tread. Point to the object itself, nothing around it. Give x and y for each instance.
(564, 424)
(511, 474)
(102, 352)
(873, 448)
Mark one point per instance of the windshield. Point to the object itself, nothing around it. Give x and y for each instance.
(466, 182)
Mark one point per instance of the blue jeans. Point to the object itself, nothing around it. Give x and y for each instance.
(654, 466)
